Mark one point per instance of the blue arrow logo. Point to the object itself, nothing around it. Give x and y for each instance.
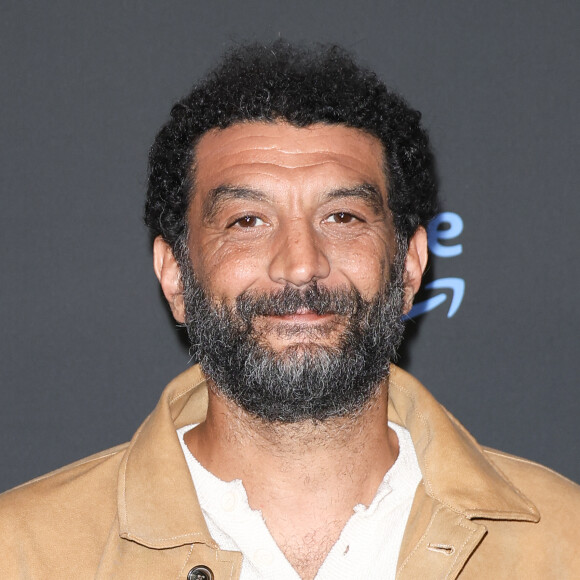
(457, 287)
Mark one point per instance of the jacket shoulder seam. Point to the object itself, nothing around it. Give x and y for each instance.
(81, 462)
(515, 458)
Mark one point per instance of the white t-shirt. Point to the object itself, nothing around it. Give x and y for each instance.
(368, 546)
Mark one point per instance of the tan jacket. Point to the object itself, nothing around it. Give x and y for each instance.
(132, 513)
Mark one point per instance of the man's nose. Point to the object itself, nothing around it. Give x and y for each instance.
(298, 256)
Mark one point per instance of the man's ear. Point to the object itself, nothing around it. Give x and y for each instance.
(415, 264)
(169, 276)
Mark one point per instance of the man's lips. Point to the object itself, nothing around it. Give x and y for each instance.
(302, 315)
(302, 325)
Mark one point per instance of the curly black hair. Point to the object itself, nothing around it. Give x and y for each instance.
(302, 86)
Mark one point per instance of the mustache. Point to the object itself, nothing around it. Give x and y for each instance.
(344, 300)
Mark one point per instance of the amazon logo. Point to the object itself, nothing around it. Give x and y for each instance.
(443, 230)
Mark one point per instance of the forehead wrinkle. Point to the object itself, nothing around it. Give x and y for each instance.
(286, 164)
(264, 165)
(274, 154)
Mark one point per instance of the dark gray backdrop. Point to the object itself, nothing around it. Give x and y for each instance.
(87, 344)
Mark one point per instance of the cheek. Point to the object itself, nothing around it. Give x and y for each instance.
(364, 265)
(366, 273)
(225, 271)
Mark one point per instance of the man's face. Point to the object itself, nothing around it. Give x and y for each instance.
(293, 290)
(276, 206)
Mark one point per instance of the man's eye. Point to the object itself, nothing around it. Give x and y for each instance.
(248, 221)
(341, 217)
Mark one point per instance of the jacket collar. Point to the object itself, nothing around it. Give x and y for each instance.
(158, 505)
(455, 470)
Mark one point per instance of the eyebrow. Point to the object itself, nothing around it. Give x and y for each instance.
(366, 192)
(220, 195)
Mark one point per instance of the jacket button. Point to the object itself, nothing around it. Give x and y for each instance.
(200, 573)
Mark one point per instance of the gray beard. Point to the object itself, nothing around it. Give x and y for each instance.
(305, 381)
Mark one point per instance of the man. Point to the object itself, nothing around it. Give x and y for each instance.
(288, 198)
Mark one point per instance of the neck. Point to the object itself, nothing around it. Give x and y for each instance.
(230, 440)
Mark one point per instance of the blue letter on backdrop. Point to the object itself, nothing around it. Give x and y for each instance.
(435, 233)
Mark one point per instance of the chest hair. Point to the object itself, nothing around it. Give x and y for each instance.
(306, 553)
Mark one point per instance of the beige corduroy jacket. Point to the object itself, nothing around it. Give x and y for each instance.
(132, 513)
